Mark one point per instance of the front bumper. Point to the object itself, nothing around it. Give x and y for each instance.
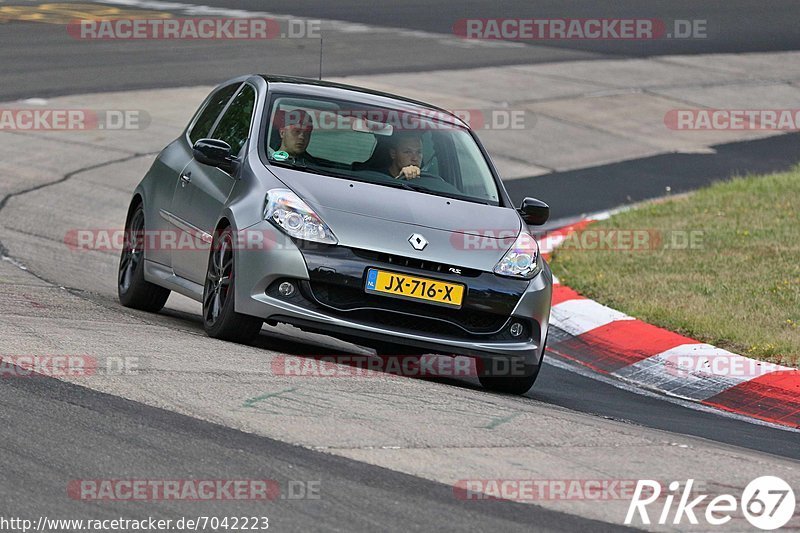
(331, 300)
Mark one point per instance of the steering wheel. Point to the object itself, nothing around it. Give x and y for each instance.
(424, 174)
(441, 185)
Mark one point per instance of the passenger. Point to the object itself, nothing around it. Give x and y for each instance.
(295, 129)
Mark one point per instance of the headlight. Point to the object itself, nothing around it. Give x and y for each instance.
(521, 260)
(291, 214)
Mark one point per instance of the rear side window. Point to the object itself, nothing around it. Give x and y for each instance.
(202, 127)
(234, 126)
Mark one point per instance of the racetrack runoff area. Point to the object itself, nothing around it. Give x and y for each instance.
(583, 115)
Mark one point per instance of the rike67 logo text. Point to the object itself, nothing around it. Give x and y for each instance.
(767, 502)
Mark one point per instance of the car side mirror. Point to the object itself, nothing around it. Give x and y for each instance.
(534, 212)
(214, 153)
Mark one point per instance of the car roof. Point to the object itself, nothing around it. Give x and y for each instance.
(312, 87)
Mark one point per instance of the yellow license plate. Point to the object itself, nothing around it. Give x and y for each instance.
(414, 288)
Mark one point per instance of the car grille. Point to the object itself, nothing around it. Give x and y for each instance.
(412, 262)
(364, 307)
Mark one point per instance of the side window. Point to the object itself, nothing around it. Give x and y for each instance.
(234, 126)
(472, 172)
(209, 115)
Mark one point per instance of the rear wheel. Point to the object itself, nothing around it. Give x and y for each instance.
(219, 318)
(133, 290)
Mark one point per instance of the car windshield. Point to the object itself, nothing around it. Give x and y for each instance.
(343, 139)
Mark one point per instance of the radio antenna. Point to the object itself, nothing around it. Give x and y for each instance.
(320, 56)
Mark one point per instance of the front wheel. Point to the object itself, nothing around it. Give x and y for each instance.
(517, 384)
(220, 320)
(512, 384)
(133, 290)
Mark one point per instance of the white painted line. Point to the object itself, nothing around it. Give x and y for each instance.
(549, 243)
(579, 316)
(603, 215)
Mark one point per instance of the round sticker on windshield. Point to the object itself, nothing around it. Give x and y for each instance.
(280, 156)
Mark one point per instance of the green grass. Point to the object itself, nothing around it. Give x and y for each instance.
(738, 287)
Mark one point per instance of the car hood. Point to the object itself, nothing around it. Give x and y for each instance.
(380, 218)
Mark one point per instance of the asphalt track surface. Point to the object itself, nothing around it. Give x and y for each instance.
(55, 431)
(732, 26)
(599, 188)
(76, 429)
(42, 60)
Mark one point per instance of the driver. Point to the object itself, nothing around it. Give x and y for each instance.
(405, 152)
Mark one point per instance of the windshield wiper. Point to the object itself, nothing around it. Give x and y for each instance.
(397, 184)
(426, 190)
(322, 171)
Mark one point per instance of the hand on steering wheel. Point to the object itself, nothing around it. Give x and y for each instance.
(408, 173)
(413, 172)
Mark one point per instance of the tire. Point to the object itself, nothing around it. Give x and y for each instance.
(133, 290)
(511, 385)
(220, 320)
(514, 384)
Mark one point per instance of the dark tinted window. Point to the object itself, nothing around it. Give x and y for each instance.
(209, 115)
(234, 127)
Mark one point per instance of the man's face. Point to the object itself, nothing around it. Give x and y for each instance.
(407, 152)
(295, 139)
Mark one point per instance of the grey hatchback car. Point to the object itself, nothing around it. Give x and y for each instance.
(345, 211)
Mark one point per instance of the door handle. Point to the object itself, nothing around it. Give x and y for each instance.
(186, 178)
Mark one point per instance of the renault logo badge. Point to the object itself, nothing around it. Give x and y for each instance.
(418, 242)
